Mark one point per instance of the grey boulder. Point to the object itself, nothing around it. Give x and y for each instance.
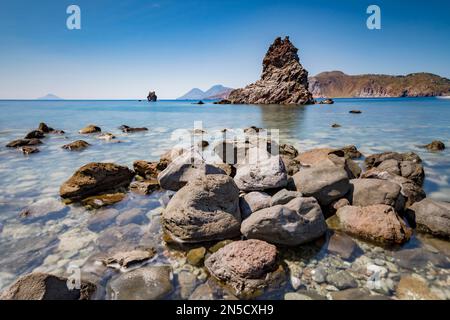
(205, 209)
(299, 221)
(432, 216)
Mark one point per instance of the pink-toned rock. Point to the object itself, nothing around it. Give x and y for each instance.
(379, 223)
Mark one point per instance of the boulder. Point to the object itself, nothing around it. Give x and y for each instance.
(35, 134)
(379, 223)
(76, 145)
(435, 146)
(95, 178)
(253, 201)
(144, 187)
(23, 142)
(284, 196)
(326, 101)
(262, 171)
(205, 209)
(90, 129)
(342, 245)
(29, 150)
(147, 283)
(147, 169)
(184, 168)
(366, 192)
(244, 265)
(152, 97)
(432, 216)
(131, 130)
(289, 150)
(324, 181)
(283, 80)
(294, 223)
(410, 190)
(106, 136)
(43, 127)
(42, 286)
(355, 111)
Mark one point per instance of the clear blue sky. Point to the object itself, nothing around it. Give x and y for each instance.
(127, 47)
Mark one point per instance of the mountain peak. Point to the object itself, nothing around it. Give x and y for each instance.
(217, 91)
(50, 96)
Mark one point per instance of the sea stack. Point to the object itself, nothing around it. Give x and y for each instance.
(283, 80)
(152, 96)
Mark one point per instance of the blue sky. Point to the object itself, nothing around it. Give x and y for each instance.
(126, 48)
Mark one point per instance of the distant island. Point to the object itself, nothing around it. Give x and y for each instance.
(217, 91)
(336, 84)
(50, 97)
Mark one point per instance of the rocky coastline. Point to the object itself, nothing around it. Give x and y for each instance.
(253, 223)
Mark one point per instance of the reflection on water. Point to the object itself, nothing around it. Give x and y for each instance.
(71, 234)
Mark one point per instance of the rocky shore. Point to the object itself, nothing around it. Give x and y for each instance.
(321, 224)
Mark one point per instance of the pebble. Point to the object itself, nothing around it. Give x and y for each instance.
(295, 282)
(296, 296)
(379, 262)
(319, 275)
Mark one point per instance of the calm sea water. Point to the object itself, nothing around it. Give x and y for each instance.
(51, 243)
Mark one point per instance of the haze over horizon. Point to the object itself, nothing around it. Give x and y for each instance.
(125, 49)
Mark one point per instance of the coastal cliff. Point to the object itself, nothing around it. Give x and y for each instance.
(283, 80)
(337, 84)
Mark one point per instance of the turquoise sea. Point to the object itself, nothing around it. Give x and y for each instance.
(66, 236)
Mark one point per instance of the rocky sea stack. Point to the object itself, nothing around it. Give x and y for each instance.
(283, 80)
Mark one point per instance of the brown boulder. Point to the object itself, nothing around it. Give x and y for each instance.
(42, 286)
(23, 142)
(379, 223)
(90, 129)
(95, 178)
(76, 145)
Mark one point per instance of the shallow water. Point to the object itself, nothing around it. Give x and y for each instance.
(69, 235)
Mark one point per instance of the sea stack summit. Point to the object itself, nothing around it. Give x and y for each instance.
(283, 80)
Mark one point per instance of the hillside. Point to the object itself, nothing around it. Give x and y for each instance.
(217, 91)
(337, 84)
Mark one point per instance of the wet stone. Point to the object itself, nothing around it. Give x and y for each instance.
(342, 280)
(134, 215)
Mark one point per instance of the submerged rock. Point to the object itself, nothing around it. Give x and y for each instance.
(127, 129)
(379, 223)
(90, 129)
(35, 134)
(414, 287)
(294, 223)
(148, 283)
(47, 208)
(76, 145)
(29, 150)
(244, 265)
(283, 80)
(23, 142)
(342, 280)
(355, 111)
(342, 245)
(106, 136)
(125, 259)
(144, 187)
(42, 286)
(102, 200)
(432, 216)
(195, 256)
(435, 146)
(326, 101)
(95, 178)
(205, 209)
